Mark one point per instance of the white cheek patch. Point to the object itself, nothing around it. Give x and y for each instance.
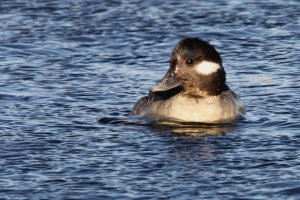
(206, 67)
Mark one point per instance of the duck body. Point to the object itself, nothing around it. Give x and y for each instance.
(220, 109)
(193, 89)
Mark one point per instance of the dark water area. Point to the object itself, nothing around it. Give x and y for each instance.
(66, 63)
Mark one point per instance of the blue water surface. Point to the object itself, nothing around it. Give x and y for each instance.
(64, 64)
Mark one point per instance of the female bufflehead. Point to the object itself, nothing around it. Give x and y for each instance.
(193, 89)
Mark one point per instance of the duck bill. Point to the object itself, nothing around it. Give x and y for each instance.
(168, 82)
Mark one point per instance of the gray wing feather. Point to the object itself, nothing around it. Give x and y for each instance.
(140, 106)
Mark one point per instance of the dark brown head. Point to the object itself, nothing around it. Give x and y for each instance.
(196, 67)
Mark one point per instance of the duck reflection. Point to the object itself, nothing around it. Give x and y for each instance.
(187, 129)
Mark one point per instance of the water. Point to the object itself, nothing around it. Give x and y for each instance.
(66, 63)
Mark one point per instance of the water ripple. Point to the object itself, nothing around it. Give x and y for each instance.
(71, 71)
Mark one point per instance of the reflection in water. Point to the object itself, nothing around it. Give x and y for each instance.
(184, 129)
(179, 129)
(201, 131)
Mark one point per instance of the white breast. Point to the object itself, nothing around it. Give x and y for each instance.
(223, 108)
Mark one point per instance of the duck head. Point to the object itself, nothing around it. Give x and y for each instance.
(196, 68)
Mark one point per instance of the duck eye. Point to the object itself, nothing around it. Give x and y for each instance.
(189, 61)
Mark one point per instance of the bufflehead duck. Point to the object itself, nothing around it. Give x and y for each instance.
(193, 89)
